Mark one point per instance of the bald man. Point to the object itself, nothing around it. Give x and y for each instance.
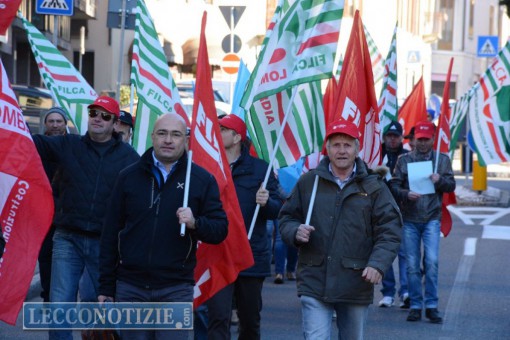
(143, 256)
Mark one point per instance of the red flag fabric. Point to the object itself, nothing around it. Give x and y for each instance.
(217, 265)
(414, 108)
(355, 98)
(26, 203)
(8, 9)
(443, 139)
(329, 100)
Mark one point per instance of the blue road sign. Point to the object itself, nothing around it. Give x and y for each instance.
(54, 7)
(488, 46)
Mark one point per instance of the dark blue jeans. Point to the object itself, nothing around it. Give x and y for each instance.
(126, 292)
(72, 252)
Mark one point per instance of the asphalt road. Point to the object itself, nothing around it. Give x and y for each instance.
(474, 289)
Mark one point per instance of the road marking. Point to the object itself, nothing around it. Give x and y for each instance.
(496, 232)
(470, 247)
(454, 306)
(487, 215)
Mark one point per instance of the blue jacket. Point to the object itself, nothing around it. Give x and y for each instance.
(86, 177)
(141, 242)
(248, 174)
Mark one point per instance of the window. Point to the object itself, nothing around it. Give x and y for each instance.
(446, 7)
(471, 27)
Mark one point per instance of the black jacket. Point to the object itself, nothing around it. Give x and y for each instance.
(141, 242)
(248, 174)
(86, 178)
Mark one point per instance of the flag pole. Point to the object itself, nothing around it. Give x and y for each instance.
(186, 189)
(312, 200)
(273, 156)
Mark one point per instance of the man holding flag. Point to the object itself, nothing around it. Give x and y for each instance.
(143, 255)
(351, 239)
(422, 219)
(247, 173)
(88, 167)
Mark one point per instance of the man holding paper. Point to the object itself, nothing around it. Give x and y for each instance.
(418, 183)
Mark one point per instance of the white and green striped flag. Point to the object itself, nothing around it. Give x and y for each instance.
(489, 111)
(457, 118)
(300, 49)
(68, 87)
(388, 105)
(375, 57)
(155, 87)
(304, 132)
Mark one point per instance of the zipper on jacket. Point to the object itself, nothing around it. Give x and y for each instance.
(154, 201)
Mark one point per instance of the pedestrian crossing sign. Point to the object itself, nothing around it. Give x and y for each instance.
(487, 46)
(54, 7)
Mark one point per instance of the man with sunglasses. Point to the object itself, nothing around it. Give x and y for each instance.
(88, 168)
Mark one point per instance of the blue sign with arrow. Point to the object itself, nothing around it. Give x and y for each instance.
(54, 7)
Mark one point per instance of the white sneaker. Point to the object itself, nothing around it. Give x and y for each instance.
(386, 301)
(405, 302)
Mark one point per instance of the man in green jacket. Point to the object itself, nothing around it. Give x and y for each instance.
(352, 238)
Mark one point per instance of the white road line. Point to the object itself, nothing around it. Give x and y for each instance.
(497, 232)
(487, 215)
(453, 307)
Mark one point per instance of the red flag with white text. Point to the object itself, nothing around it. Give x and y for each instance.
(443, 138)
(355, 100)
(26, 203)
(217, 265)
(8, 9)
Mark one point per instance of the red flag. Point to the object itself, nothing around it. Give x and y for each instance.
(8, 9)
(443, 138)
(355, 97)
(217, 265)
(414, 108)
(26, 203)
(329, 100)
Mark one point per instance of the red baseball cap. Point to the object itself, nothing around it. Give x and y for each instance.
(108, 104)
(235, 123)
(342, 126)
(424, 129)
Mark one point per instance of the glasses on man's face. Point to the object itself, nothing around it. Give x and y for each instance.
(104, 116)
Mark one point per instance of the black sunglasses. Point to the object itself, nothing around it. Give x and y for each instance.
(105, 116)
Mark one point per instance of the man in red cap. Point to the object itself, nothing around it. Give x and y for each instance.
(352, 238)
(88, 166)
(248, 174)
(422, 220)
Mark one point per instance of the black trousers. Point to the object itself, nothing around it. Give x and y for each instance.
(248, 296)
(44, 259)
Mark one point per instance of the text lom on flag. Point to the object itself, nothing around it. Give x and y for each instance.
(487, 46)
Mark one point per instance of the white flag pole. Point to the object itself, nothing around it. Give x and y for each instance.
(186, 189)
(273, 156)
(312, 200)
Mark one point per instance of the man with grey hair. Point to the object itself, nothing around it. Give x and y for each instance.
(143, 257)
(352, 238)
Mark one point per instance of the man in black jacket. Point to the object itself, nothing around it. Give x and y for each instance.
(248, 174)
(88, 166)
(143, 257)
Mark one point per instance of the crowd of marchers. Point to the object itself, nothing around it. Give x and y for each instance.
(115, 233)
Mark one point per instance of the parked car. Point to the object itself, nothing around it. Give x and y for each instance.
(187, 87)
(34, 102)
